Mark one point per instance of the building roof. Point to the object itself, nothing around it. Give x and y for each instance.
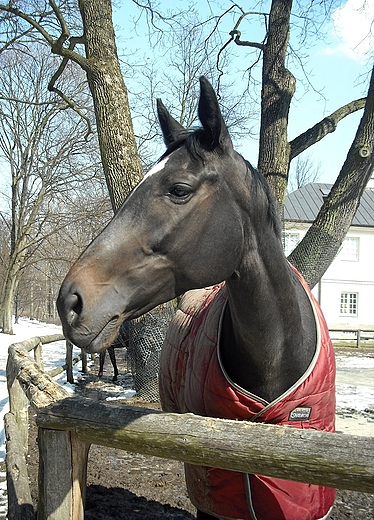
(304, 204)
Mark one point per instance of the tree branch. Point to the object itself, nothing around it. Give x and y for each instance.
(70, 104)
(235, 34)
(4, 220)
(16, 38)
(29, 20)
(56, 45)
(153, 14)
(324, 127)
(313, 255)
(68, 101)
(65, 33)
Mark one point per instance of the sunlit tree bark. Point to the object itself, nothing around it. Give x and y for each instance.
(321, 244)
(315, 252)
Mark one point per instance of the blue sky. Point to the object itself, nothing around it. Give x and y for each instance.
(341, 70)
(338, 67)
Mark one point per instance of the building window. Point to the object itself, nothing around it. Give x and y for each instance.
(348, 304)
(290, 241)
(349, 249)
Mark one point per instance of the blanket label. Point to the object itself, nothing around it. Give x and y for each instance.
(301, 413)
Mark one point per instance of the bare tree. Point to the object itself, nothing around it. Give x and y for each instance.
(72, 224)
(45, 152)
(276, 152)
(94, 28)
(187, 54)
(304, 171)
(86, 38)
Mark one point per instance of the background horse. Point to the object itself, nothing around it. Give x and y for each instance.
(112, 356)
(121, 341)
(252, 346)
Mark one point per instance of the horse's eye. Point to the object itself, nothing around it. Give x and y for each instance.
(181, 192)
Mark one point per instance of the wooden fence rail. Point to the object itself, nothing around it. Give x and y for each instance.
(338, 334)
(68, 425)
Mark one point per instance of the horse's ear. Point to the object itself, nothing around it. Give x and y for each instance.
(170, 127)
(211, 117)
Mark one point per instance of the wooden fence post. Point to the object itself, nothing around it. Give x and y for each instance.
(20, 506)
(18, 402)
(84, 362)
(38, 356)
(62, 475)
(69, 362)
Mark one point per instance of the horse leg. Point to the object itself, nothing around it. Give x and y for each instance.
(114, 363)
(204, 516)
(102, 359)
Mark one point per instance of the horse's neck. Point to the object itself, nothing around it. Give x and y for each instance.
(269, 331)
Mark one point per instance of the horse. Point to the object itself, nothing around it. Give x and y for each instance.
(248, 340)
(112, 356)
(122, 340)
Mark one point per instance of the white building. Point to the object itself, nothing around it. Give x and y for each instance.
(346, 291)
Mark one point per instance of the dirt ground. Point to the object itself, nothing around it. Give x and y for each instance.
(126, 486)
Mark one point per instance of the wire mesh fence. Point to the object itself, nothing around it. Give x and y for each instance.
(145, 337)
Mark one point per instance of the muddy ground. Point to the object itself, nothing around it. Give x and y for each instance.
(126, 486)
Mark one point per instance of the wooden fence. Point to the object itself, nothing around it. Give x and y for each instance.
(68, 425)
(346, 335)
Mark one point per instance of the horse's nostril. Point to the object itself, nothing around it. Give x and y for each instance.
(73, 307)
(78, 307)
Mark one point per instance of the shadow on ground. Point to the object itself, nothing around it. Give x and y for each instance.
(114, 503)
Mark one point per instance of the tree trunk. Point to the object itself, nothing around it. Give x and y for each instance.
(319, 247)
(118, 148)
(316, 251)
(7, 296)
(120, 159)
(278, 87)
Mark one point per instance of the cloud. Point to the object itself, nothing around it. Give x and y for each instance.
(353, 28)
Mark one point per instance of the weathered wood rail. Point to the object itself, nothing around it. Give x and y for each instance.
(361, 334)
(68, 425)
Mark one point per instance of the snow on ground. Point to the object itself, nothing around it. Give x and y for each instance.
(53, 356)
(355, 382)
(355, 393)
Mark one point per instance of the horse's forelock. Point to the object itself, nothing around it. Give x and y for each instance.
(193, 140)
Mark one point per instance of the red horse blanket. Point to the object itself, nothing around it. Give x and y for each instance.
(193, 380)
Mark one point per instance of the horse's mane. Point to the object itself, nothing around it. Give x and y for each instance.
(273, 209)
(195, 142)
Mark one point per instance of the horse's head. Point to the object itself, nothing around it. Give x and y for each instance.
(181, 228)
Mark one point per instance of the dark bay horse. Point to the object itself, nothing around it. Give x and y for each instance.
(248, 341)
(121, 341)
(113, 360)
